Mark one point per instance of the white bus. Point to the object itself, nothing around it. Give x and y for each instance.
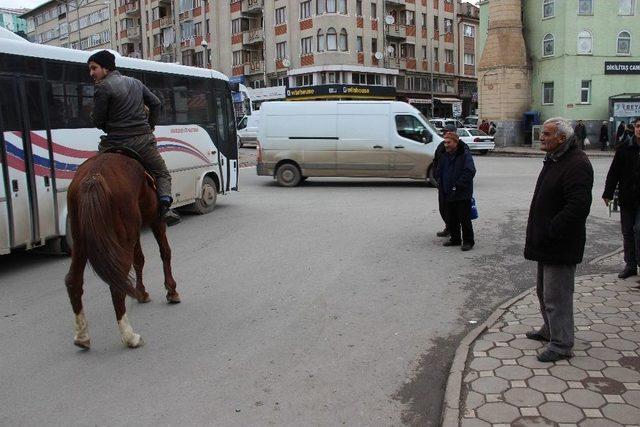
(46, 97)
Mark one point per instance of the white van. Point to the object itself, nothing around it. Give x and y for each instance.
(248, 129)
(381, 139)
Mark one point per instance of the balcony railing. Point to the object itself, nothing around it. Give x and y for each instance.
(132, 8)
(254, 67)
(400, 3)
(396, 31)
(133, 33)
(253, 36)
(166, 21)
(252, 7)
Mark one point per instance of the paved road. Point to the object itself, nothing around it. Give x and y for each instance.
(332, 303)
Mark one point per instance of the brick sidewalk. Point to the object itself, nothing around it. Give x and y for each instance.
(504, 384)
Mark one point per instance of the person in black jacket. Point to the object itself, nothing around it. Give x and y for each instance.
(556, 234)
(455, 181)
(604, 135)
(580, 132)
(120, 106)
(437, 156)
(624, 173)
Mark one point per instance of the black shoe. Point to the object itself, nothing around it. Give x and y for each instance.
(467, 247)
(628, 272)
(451, 243)
(443, 233)
(552, 356)
(533, 335)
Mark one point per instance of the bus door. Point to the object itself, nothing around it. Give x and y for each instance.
(5, 192)
(232, 139)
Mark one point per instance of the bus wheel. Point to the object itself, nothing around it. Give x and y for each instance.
(288, 175)
(208, 197)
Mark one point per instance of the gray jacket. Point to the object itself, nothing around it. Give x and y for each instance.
(118, 106)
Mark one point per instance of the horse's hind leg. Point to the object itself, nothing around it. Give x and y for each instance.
(138, 264)
(74, 282)
(159, 229)
(129, 338)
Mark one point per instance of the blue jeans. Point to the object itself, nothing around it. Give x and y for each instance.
(630, 224)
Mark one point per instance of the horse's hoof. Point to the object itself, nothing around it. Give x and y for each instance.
(173, 298)
(135, 342)
(83, 344)
(145, 298)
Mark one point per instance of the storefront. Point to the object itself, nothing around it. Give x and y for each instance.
(624, 107)
(340, 92)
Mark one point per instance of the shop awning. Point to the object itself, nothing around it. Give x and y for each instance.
(449, 100)
(419, 101)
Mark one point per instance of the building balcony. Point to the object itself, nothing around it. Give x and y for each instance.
(132, 9)
(253, 36)
(252, 7)
(397, 32)
(393, 63)
(166, 22)
(396, 3)
(254, 67)
(133, 33)
(135, 54)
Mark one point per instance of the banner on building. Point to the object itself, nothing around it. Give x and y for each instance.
(342, 91)
(626, 109)
(621, 67)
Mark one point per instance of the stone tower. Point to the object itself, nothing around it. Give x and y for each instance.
(504, 72)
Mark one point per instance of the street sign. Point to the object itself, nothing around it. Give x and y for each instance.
(456, 108)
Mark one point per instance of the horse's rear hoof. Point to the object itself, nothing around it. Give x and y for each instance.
(173, 298)
(135, 341)
(145, 298)
(83, 344)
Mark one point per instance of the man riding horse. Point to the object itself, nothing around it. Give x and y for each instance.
(119, 111)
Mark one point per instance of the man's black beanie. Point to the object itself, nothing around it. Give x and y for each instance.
(104, 58)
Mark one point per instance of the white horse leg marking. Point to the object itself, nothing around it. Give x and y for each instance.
(82, 331)
(129, 338)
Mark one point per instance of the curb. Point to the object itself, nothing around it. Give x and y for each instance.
(451, 404)
(605, 256)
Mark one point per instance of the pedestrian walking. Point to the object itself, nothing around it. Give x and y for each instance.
(484, 127)
(620, 131)
(624, 173)
(492, 128)
(604, 135)
(127, 111)
(556, 234)
(580, 131)
(437, 156)
(455, 181)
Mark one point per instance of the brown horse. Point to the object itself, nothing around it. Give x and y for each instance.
(110, 199)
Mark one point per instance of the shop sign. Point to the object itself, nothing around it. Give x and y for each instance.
(342, 91)
(626, 109)
(621, 67)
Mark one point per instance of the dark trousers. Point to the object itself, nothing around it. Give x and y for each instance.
(146, 147)
(458, 214)
(442, 205)
(554, 287)
(630, 225)
(580, 142)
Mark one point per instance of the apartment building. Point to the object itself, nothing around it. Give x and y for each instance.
(11, 20)
(83, 25)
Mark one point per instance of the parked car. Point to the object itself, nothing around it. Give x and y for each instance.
(440, 124)
(248, 129)
(470, 122)
(476, 140)
(376, 139)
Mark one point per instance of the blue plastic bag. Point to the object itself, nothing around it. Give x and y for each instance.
(474, 209)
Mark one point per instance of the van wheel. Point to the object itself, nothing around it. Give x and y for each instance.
(483, 152)
(288, 175)
(208, 197)
(431, 176)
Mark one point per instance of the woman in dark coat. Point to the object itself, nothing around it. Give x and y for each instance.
(604, 136)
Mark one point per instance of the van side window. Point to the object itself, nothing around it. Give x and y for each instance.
(410, 127)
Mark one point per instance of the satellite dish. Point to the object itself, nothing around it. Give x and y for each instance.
(389, 19)
(390, 50)
(286, 62)
(378, 55)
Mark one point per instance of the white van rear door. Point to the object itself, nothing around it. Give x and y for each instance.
(364, 148)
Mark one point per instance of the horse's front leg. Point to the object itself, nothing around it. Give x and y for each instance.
(74, 282)
(129, 337)
(138, 265)
(159, 229)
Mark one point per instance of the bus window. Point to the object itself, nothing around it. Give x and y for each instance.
(23, 65)
(86, 105)
(34, 105)
(160, 85)
(220, 122)
(8, 108)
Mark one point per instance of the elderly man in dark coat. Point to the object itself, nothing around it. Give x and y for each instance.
(455, 182)
(556, 234)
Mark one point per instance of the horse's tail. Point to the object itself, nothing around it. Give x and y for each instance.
(97, 230)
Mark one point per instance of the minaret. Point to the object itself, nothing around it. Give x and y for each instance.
(504, 73)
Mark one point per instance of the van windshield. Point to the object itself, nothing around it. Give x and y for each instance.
(428, 124)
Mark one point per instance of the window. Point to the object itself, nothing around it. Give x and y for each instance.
(374, 45)
(424, 52)
(435, 54)
(343, 40)
(424, 20)
(547, 93)
(304, 80)
(358, 7)
(585, 43)
(359, 44)
(548, 45)
(407, 50)
(321, 45)
(281, 15)
(342, 6)
(331, 6)
(374, 11)
(469, 31)
(410, 17)
(436, 24)
(305, 9)
(469, 59)
(548, 9)
(305, 45)
(332, 39)
(623, 43)
(585, 7)
(320, 7)
(585, 92)
(448, 25)
(411, 128)
(281, 50)
(626, 7)
(448, 56)
(237, 58)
